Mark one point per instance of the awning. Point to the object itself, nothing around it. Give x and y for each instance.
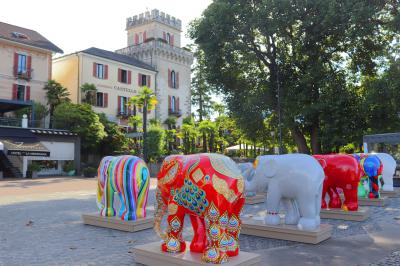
(21, 142)
(12, 105)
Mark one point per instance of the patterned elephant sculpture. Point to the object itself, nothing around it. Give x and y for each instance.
(344, 172)
(208, 187)
(129, 177)
(370, 182)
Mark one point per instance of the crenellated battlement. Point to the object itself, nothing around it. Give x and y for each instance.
(154, 15)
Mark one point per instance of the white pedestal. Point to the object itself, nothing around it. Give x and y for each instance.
(257, 227)
(258, 198)
(151, 255)
(361, 215)
(117, 223)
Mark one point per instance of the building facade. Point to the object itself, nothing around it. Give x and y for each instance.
(116, 77)
(155, 38)
(25, 64)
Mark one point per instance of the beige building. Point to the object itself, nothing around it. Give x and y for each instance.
(116, 77)
(25, 66)
(155, 38)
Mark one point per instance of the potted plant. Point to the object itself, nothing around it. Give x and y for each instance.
(33, 168)
(69, 168)
(89, 171)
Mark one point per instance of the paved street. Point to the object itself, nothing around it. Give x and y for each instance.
(40, 224)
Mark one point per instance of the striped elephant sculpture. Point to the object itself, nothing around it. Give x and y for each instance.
(130, 178)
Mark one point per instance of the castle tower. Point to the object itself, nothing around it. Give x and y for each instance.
(155, 38)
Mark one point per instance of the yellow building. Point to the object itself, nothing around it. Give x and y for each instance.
(117, 77)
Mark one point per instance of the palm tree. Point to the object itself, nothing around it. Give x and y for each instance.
(89, 92)
(55, 94)
(147, 101)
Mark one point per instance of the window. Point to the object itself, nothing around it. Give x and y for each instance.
(124, 76)
(100, 71)
(144, 80)
(21, 67)
(20, 93)
(99, 99)
(168, 38)
(173, 104)
(123, 105)
(173, 79)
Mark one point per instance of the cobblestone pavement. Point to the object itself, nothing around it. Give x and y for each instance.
(46, 229)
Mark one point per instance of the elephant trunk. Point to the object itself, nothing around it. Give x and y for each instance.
(161, 209)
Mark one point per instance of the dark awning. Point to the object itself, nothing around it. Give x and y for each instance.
(21, 142)
(12, 105)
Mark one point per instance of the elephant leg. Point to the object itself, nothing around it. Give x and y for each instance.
(122, 209)
(310, 219)
(374, 187)
(350, 198)
(199, 241)
(174, 241)
(234, 229)
(273, 200)
(334, 198)
(292, 215)
(324, 191)
(108, 210)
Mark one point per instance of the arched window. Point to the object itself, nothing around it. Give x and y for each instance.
(173, 79)
(173, 104)
(168, 38)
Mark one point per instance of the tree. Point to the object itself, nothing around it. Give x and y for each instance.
(171, 132)
(146, 100)
(89, 92)
(208, 129)
(56, 94)
(115, 142)
(82, 120)
(188, 134)
(285, 57)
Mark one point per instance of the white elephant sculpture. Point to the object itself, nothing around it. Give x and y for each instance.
(293, 180)
(389, 168)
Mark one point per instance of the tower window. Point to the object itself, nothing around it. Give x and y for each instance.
(173, 104)
(173, 79)
(168, 38)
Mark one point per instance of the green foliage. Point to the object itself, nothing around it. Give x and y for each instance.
(89, 171)
(80, 119)
(40, 111)
(115, 141)
(56, 94)
(89, 92)
(170, 122)
(34, 167)
(68, 166)
(155, 142)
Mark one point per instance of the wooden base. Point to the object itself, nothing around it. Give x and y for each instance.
(258, 198)
(339, 214)
(117, 223)
(389, 194)
(372, 202)
(151, 254)
(286, 232)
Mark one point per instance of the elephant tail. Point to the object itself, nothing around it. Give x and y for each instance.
(161, 209)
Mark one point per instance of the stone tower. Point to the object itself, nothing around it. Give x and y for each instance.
(155, 38)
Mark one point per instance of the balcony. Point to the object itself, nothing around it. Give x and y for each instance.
(177, 113)
(25, 74)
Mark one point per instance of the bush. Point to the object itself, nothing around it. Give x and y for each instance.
(155, 141)
(90, 172)
(68, 166)
(34, 167)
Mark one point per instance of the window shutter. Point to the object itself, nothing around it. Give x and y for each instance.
(15, 64)
(172, 40)
(177, 104)
(136, 38)
(28, 93)
(169, 102)
(148, 81)
(105, 71)
(119, 104)
(177, 80)
(14, 92)
(105, 99)
(29, 66)
(119, 75)
(164, 36)
(94, 70)
(139, 81)
(129, 77)
(144, 36)
(169, 78)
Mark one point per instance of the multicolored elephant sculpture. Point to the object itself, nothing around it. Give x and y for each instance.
(129, 177)
(208, 187)
(344, 172)
(370, 182)
(388, 171)
(295, 180)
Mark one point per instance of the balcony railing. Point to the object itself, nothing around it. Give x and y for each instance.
(175, 112)
(23, 74)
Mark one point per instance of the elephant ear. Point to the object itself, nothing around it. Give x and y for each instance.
(171, 168)
(270, 167)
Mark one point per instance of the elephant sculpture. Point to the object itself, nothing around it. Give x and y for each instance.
(344, 172)
(370, 182)
(247, 170)
(295, 180)
(208, 187)
(129, 177)
(388, 171)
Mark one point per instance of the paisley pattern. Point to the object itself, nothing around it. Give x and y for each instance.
(173, 244)
(191, 197)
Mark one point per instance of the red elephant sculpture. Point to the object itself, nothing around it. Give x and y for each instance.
(341, 171)
(208, 187)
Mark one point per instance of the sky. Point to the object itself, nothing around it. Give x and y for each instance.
(76, 25)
